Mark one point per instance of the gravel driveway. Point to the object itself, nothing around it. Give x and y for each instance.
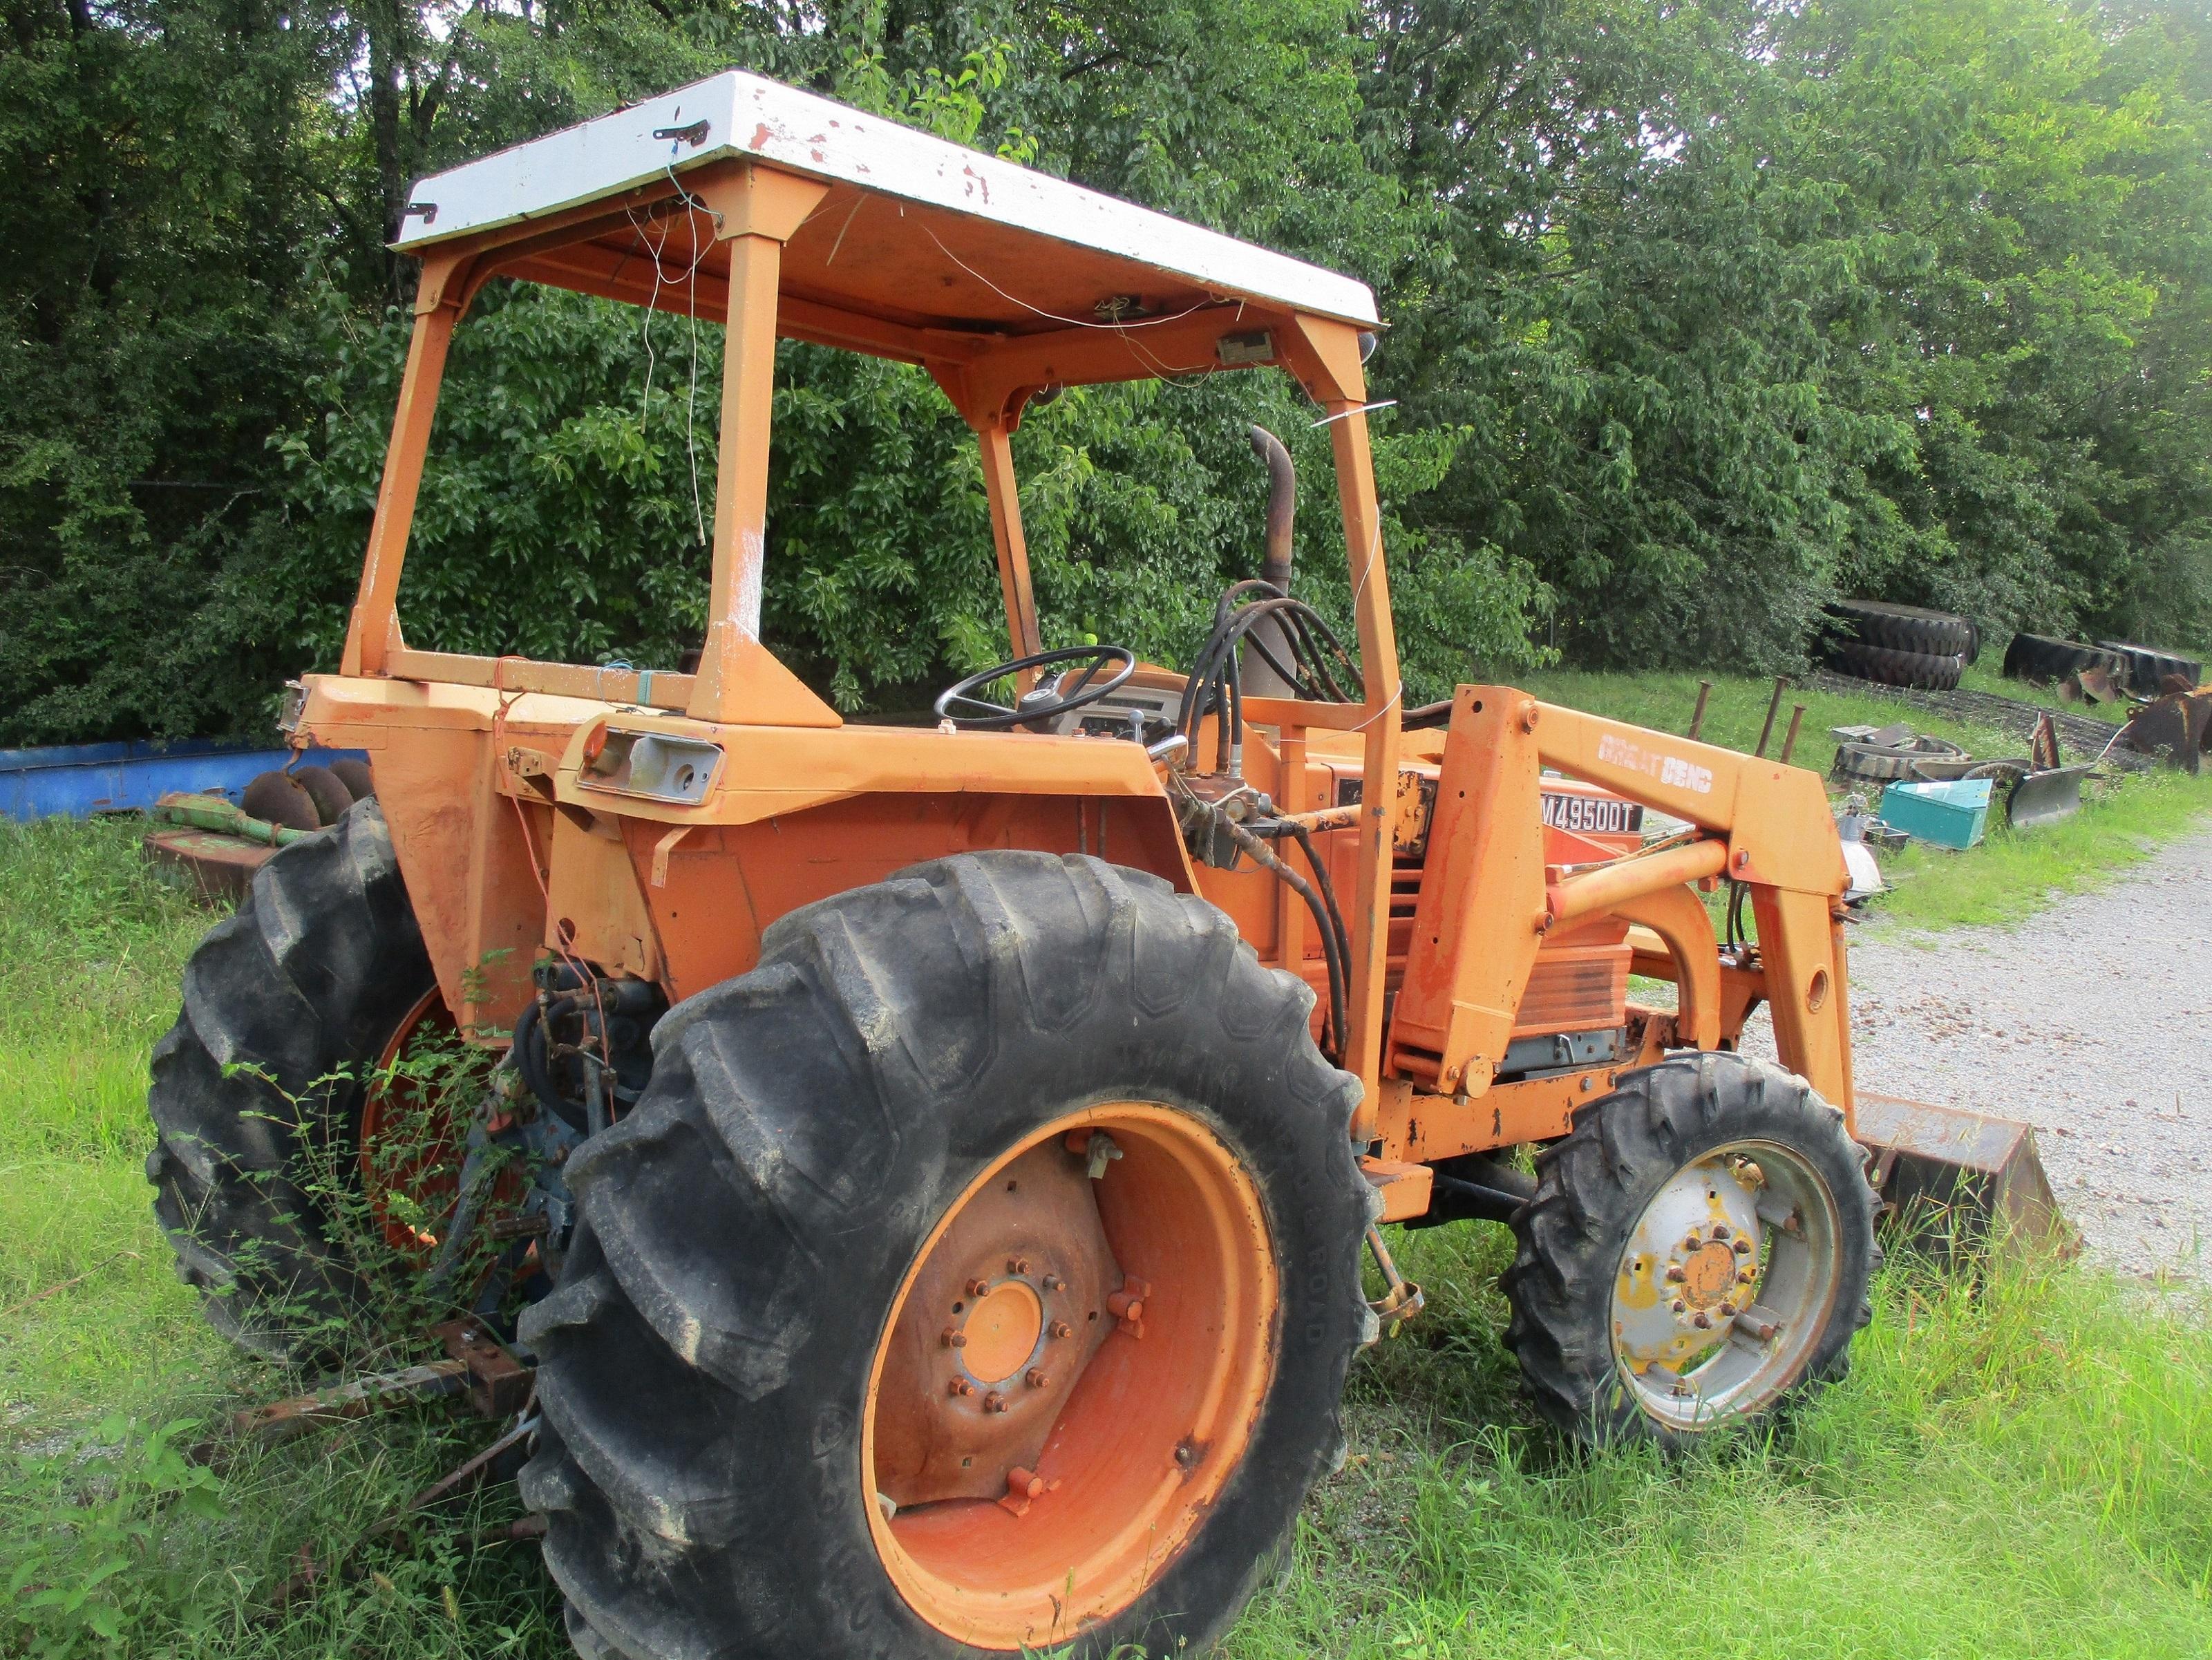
(2093, 1021)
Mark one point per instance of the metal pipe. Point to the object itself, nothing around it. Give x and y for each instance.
(1612, 886)
(1282, 506)
(1272, 633)
(1698, 715)
(1789, 739)
(212, 812)
(1324, 819)
(1773, 707)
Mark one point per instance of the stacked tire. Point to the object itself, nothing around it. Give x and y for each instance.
(1900, 645)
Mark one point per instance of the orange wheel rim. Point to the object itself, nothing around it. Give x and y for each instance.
(1069, 1376)
(426, 1171)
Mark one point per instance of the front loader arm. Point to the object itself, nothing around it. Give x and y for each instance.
(1487, 898)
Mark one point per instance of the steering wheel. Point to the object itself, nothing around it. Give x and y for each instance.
(1052, 696)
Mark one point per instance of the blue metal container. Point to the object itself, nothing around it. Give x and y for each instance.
(1953, 814)
(77, 780)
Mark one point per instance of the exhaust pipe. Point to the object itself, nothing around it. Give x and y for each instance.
(1282, 506)
(1257, 676)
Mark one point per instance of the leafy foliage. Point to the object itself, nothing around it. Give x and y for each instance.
(104, 1564)
(1700, 314)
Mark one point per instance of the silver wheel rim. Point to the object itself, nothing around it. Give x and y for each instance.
(1725, 1285)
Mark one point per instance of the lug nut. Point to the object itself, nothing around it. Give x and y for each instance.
(978, 1288)
(1728, 1309)
(1061, 1328)
(1054, 1282)
(1744, 1279)
(1036, 1378)
(959, 1386)
(1744, 1247)
(994, 1402)
(1017, 1265)
(1720, 1230)
(1693, 1242)
(1701, 1320)
(1680, 1307)
(954, 1338)
(1676, 1274)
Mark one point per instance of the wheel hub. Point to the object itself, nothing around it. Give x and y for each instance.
(1724, 1284)
(1690, 1267)
(1004, 1331)
(1709, 1274)
(1070, 1375)
(1004, 1316)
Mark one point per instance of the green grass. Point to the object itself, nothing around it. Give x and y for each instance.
(2009, 875)
(2017, 1465)
(90, 949)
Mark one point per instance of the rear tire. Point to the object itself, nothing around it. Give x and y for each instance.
(1584, 1261)
(287, 1004)
(1896, 668)
(707, 1367)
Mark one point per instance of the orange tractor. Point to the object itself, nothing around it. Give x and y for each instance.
(946, 1158)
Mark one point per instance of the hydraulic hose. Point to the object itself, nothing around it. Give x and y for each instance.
(528, 1048)
(1332, 954)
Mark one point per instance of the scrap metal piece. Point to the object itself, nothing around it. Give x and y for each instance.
(2177, 728)
(2091, 685)
(219, 868)
(498, 1383)
(1956, 1180)
(301, 1414)
(2043, 754)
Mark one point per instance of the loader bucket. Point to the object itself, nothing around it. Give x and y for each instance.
(2044, 798)
(1952, 1180)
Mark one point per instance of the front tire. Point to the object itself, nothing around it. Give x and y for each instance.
(840, 1141)
(1698, 1254)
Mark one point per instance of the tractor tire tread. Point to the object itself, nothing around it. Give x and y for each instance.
(1913, 629)
(1886, 666)
(2041, 659)
(806, 1124)
(282, 1000)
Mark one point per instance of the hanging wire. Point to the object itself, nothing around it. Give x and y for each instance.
(655, 250)
(1119, 326)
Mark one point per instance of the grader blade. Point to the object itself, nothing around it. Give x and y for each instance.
(2045, 798)
(1959, 1181)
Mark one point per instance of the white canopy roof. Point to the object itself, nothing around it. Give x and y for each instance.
(735, 114)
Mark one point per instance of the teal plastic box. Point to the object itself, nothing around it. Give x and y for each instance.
(1951, 815)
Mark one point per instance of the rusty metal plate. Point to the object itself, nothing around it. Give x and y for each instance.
(219, 867)
(999, 1320)
(1946, 1174)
